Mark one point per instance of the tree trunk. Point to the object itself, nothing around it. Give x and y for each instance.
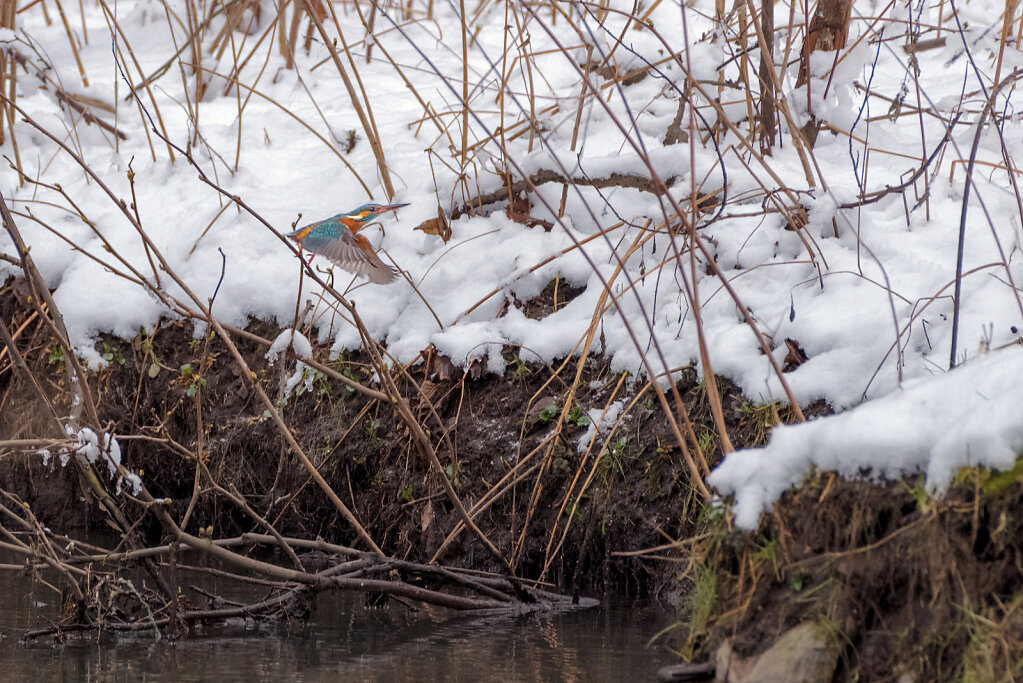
(829, 30)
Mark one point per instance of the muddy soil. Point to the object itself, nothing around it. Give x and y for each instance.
(167, 396)
(910, 587)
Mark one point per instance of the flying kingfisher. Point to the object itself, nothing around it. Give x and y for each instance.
(338, 239)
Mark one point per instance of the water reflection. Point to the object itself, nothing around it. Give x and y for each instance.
(346, 641)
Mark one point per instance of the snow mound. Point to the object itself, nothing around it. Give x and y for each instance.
(970, 416)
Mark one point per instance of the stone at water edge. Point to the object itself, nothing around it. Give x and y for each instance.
(800, 655)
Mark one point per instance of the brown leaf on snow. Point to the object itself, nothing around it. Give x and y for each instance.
(795, 357)
(518, 210)
(436, 226)
(321, 11)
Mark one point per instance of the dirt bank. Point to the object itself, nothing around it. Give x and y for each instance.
(897, 584)
(557, 511)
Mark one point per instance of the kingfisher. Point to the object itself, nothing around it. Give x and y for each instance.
(338, 239)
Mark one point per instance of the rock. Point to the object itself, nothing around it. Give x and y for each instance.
(731, 668)
(801, 655)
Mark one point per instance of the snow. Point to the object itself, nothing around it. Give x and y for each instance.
(290, 338)
(601, 422)
(101, 449)
(970, 416)
(871, 306)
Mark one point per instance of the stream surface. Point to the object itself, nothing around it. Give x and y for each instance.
(343, 641)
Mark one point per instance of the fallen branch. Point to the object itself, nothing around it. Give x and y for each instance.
(544, 176)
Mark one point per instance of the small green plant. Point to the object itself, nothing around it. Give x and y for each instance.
(610, 458)
(548, 414)
(768, 550)
(708, 441)
(700, 390)
(759, 419)
(579, 417)
(112, 354)
(193, 380)
(373, 431)
(406, 494)
(318, 380)
(56, 355)
(149, 359)
(347, 372)
(324, 389)
(703, 599)
(521, 370)
(924, 500)
(454, 474)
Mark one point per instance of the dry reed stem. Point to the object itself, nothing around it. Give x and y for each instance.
(368, 128)
(465, 85)
(73, 43)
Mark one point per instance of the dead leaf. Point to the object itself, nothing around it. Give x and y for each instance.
(542, 409)
(438, 367)
(436, 226)
(477, 367)
(795, 357)
(428, 516)
(518, 210)
(321, 11)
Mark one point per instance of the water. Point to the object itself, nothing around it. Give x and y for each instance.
(345, 641)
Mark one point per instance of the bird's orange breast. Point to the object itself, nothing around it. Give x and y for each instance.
(351, 224)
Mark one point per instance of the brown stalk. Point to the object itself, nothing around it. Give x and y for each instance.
(72, 42)
(368, 128)
(767, 69)
(767, 108)
(465, 84)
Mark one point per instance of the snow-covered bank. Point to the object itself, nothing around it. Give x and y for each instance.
(970, 416)
(865, 290)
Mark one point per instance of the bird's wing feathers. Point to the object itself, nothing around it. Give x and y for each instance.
(347, 254)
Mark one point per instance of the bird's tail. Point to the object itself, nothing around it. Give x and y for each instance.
(378, 272)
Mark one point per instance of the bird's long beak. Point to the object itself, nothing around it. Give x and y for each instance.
(390, 207)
